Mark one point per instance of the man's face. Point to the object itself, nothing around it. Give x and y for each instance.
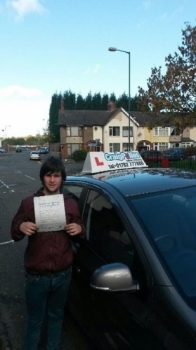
(52, 183)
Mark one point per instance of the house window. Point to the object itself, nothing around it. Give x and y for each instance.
(114, 130)
(125, 147)
(186, 144)
(125, 131)
(73, 131)
(161, 146)
(161, 131)
(71, 147)
(114, 147)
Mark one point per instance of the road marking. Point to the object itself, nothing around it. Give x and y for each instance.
(4, 185)
(12, 241)
(30, 177)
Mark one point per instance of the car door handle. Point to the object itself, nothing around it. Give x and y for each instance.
(77, 269)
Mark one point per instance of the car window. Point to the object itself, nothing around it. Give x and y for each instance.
(106, 232)
(73, 191)
(169, 220)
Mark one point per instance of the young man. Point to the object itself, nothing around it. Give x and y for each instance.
(48, 258)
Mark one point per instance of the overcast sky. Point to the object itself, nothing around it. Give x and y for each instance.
(50, 46)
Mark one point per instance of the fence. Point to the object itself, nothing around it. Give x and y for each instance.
(186, 164)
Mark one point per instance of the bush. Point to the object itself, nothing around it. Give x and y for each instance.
(190, 151)
(79, 155)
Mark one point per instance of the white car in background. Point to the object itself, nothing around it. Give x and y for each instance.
(35, 155)
(2, 150)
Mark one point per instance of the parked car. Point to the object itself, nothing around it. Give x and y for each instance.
(193, 157)
(35, 155)
(2, 150)
(25, 149)
(18, 149)
(175, 153)
(43, 150)
(134, 276)
(152, 156)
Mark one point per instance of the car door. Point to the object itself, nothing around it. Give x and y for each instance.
(115, 320)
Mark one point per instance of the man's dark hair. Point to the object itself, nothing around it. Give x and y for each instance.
(52, 165)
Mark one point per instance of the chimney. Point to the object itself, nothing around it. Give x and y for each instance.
(111, 105)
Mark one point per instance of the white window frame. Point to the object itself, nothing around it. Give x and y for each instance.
(160, 146)
(72, 131)
(125, 131)
(112, 130)
(71, 147)
(159, 131)
(114, 147)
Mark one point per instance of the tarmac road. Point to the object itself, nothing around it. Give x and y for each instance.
(19, 178)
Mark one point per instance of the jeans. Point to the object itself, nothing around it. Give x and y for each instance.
(46, 294)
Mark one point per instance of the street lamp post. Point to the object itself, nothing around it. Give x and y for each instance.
(5, 136)
(129, 87)
(38, 138)
(5, 130)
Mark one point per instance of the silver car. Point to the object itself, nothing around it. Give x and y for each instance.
(35, 155)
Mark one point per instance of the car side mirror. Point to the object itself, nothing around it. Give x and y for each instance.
(115, 277)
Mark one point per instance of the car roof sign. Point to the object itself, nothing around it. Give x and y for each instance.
(97, 162)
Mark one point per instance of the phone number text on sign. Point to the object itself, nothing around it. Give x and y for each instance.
(124, 165)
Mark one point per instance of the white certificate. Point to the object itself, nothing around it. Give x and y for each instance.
(50, 213)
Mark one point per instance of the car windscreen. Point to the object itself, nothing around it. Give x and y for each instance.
(169, 221)
(170, 151)
(175, 150)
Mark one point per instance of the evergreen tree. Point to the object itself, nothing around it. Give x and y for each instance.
(89, 102)
(112, 97)
(53, 128)
(80, 103)
(69, 100)
(97, 101)
(104, 102)
(134, 103)
(123, 102)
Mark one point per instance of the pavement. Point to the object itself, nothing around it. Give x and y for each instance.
(4, 345)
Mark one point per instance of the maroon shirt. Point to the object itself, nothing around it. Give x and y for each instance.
(46, 251)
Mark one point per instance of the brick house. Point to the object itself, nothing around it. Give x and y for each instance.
(95, 130)
(108, 131)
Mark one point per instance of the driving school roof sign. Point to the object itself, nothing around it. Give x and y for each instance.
(97, 162)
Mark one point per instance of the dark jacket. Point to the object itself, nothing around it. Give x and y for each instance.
(46, 251)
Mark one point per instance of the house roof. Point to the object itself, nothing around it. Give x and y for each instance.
(88, 117)
(140, 117)
(82, 117)
(147, 119)
(186, 139)
(101, 118)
